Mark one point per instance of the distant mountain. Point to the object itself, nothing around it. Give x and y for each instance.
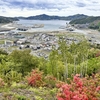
(77, 16)
(47, 17)
(21, 17)
(7, 19)
(42, 17)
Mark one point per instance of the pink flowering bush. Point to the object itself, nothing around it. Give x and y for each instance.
(98, 88)
(35, 78)
(87, 88)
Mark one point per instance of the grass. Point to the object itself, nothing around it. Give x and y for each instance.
(25, 92)
(1, 41)
(44, 93)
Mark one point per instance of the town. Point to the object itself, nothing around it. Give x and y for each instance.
(41, 43)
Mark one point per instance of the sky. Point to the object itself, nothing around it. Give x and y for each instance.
(16, 8)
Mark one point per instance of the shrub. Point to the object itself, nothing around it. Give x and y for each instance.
(35, 78)
(13, 76)
(81, 89)
(50, 81)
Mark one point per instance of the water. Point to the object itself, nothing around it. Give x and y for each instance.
(49, 25)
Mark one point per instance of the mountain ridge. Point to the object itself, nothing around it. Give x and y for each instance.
(78, 18)
(54, 17)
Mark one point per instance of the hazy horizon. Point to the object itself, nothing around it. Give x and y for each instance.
(25, 8)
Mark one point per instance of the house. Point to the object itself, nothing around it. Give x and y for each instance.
(9, 43)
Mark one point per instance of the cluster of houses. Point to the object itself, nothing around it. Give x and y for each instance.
(94, 40)
(39, 43)
(81, 26)
(68, 27)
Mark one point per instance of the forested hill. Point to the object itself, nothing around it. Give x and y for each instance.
(7, 19)
(85, 20)
(41, 17)
(94, 22)
(47, 17)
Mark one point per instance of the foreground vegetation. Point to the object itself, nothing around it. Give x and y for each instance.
(70, 73)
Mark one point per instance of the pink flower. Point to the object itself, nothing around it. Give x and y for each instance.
(65, 86)
(76, 97)
(98, 88)
(60, 98)
(77, 75)
(76, 79)
(80, 84)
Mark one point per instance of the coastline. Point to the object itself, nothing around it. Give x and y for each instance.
(7, 27)
(13, 26)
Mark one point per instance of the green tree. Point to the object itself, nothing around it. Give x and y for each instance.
(23, 60)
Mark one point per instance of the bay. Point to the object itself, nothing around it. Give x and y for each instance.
(49, 25)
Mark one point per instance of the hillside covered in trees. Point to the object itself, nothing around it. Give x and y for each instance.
(94, 22)
(41, 17)
(7, 19)
(84, 20)
(47, 17)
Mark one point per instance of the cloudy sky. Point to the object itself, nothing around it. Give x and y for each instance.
(50, 7)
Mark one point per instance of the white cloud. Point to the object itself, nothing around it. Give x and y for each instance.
(51, 7)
